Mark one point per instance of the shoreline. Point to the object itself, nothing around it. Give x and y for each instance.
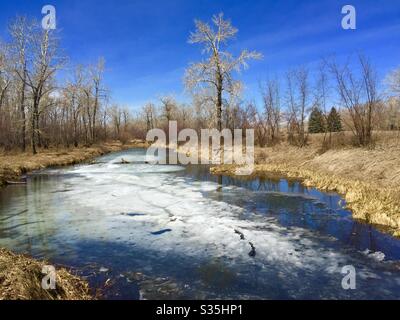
(13, 166)
(373, 201)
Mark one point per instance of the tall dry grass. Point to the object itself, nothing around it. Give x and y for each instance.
(21, 279)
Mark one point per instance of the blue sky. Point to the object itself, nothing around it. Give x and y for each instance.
(145, 42)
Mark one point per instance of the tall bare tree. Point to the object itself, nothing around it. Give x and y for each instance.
(37, 76)
(20, 31)
(216, 71)
(98, 92)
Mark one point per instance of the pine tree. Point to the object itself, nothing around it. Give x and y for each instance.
(334, 121)
(316, 123)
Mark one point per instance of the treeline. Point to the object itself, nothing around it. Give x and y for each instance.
(35, 110)
(298, 103)
(328, 100)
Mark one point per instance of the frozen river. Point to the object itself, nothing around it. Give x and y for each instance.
(146, 231)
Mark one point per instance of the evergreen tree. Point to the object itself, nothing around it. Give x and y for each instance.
(316, 123)
(334, 121)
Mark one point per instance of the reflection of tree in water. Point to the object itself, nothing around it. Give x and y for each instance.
(28, 216)
(254, 184)
(361, 235)
(16, 219)
(273, 182)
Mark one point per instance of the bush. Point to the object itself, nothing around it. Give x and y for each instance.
(124, 137)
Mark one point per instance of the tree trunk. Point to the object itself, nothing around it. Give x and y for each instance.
(22, 111)
(33, 134)
(96, 103)
(38, 135)
(219, 102)
(75, 131)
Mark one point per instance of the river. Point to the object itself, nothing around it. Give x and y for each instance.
(143, 231)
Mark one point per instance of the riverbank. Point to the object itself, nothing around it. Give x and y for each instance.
(368, 180)
(20, 276)
(21, 279)
(13, 166)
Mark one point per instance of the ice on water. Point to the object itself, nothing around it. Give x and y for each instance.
(147, 206)
(199, 226)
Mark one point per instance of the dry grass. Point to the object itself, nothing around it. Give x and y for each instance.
(21, 277)
(368, 179)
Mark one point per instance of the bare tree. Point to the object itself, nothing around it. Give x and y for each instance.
(62, 114)
(272, 109)
(98, 92)
(253, 118)
(149, 113)
(216, 72)
(5, 74)
(321, 96)
(168, 112)
(168, 108)
(359, 96)
(393, 82)
(297, 99)
(73, 95)
(116, 114)
(38, 75)
(392, 105)
(304, 91)
(20, 31)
